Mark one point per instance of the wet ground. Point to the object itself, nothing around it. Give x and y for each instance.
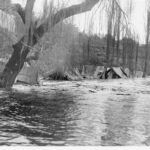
(113, 112)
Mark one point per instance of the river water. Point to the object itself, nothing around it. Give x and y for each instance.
(98, 113)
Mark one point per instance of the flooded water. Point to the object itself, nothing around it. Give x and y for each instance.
(98, 113)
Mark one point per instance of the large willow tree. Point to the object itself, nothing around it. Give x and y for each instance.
(30, 32)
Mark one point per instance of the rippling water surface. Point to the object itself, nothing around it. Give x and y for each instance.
(77, 113)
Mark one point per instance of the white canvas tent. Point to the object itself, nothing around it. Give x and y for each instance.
(127, 71)
(88, 71)
(120, 72)
(28, 75)
(99, 71)
(114, 72)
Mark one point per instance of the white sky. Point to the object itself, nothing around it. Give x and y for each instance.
(138, 18)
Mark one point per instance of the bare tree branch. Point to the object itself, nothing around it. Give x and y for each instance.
(64, 13)
(73, 10)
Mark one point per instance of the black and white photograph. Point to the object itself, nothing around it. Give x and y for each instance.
(74, 73)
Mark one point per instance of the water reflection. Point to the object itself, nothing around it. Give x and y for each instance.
(140, 134)
(118, 115)
(37, 121)
(89, 121)
(75, 117)
(60, 119)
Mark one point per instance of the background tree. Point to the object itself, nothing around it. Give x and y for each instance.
(147, 41)
(137, 54)
(111, 11)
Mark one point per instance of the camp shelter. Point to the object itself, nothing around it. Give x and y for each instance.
(66, 74)
(115, 73)
(99, 71)
(28, 74)
(88, 71)
(139, 74)
(56, 75)
(127, 71)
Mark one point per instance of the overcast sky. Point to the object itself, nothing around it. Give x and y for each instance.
(138, 19)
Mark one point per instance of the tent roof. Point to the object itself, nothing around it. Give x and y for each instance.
(28, 74)
(98, 70)
(119, 72)
(127, 71)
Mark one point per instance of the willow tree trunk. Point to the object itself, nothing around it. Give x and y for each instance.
(14, 65)
(20, 51)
